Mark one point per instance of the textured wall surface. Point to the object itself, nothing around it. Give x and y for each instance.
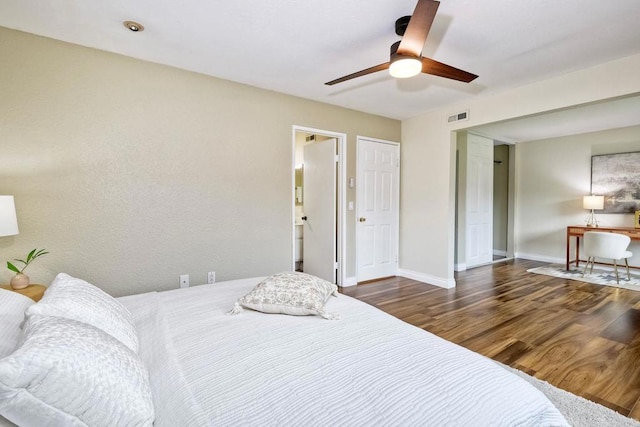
(131, 173)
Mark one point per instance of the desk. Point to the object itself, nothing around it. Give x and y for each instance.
(578, 231)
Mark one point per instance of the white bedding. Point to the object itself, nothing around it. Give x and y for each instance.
(369, 368)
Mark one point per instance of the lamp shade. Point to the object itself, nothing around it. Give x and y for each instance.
(593, 202)
(8, 219)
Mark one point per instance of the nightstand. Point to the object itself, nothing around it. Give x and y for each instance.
(34, 292)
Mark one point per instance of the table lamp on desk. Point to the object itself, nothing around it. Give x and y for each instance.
(592, 202)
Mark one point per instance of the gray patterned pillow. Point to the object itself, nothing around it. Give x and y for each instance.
(294, 293)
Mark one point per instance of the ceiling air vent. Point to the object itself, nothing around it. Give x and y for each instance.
(464, 115)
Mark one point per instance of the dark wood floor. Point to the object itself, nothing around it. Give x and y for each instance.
(580, 337)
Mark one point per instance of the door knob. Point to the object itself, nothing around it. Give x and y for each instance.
(304, 218)
(362, 219)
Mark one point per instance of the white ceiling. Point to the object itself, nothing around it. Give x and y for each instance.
(595, 117)
(294, 46)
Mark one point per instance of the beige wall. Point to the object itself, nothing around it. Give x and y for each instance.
(131, 173)
(552, 177)
(427, 210)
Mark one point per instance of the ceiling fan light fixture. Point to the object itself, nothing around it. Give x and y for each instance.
(405, 55)
(403, 67)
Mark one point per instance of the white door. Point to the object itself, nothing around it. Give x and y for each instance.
(378, 187)
(319, 242)
(479, 213)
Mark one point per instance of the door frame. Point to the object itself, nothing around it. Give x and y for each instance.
(459, 239)
(396, 200)
(341, 230)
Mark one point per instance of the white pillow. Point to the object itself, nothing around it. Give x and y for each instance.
(78, 300)
(290, 292)
(68, 373)
(12, 307)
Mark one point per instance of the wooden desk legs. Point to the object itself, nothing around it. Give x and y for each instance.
(569, 251)
(578, 231)
(568, 248)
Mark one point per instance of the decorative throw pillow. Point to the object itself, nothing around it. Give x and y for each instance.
(12, 307)
(78, 300)
(293, 293)
(68, 373)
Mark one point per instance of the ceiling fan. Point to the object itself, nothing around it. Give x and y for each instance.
(406, 55)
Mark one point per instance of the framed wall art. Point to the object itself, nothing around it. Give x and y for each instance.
(617, 178)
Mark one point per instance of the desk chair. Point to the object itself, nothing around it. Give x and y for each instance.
(613, 246)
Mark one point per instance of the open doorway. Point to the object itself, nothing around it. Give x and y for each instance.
(485, 175)
(502, 200)
(318, 194)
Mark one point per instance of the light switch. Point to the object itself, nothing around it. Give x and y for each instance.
(350, 206)
(352, 182)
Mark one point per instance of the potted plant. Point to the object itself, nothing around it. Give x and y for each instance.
(21, 280)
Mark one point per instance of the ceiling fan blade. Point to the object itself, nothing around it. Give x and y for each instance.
(360, 73)
(430, 66)
(419, 25)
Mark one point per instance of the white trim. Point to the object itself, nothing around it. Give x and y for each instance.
(350, 281)
(497, 252)
(541, 258)
(341, 202)
(397, 200)
(432, 280)
(460, 267)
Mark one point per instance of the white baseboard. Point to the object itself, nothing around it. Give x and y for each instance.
(460, 267)
(498, 252)
(349, 281)
(541, 258)
(426, 278)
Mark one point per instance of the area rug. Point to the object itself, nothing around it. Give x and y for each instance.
(600, 276)
(578, 411)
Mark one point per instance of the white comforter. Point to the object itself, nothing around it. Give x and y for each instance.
(367, 369)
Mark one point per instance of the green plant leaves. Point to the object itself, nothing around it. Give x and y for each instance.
(12, 267)
(35, 253)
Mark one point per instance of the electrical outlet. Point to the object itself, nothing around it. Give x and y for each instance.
(211, 277)
(184, 280)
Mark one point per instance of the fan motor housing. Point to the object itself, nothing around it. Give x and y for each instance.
(401, 25)
(394, 48)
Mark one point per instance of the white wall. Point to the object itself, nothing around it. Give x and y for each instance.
(552, 177)
(131, 173)
(428, 155)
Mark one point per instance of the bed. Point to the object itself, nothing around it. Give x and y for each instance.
(208, 368)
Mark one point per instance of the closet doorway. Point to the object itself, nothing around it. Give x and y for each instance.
(484, 201)
(378, 202)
